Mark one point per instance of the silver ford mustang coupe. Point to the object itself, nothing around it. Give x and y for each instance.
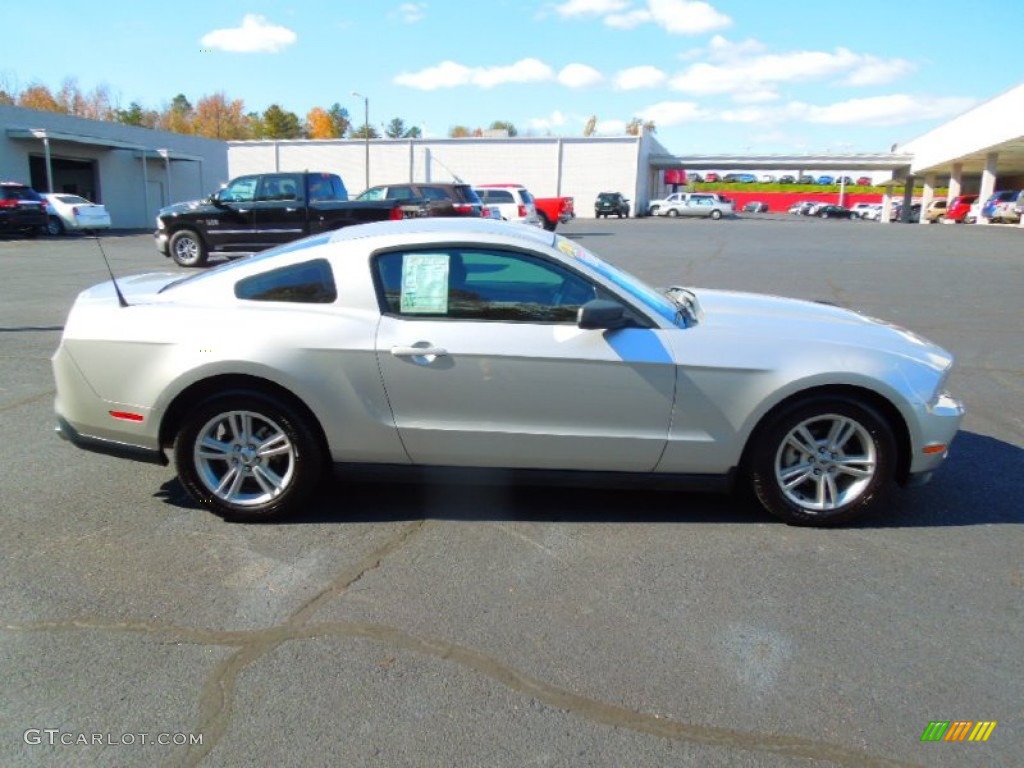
(443, 342)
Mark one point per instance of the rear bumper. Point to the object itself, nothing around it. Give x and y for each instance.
(109, 447)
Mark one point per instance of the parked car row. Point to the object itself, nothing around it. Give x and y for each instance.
(27, 212)
(767, 178)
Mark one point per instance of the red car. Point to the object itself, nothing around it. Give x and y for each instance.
(864, 181)
(711, 176)
(959, 208)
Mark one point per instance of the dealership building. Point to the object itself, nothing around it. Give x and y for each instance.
(135, 171)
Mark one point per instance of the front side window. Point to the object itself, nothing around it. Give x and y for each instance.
(310, 282)
(477, 284)
(241, 190)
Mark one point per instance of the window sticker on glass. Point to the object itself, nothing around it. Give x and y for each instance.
(425, 283)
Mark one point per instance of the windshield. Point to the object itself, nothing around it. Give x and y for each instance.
(654, 301)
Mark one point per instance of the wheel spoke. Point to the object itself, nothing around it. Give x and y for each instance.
(237, 429)
(793, 476)
(846, 430)
(213, 449)
(268, 480)
(801, 439)
(275, 445)
(229, 484)
(831, 492)
(857, 466)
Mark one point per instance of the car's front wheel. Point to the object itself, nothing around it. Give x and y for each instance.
(187, 249)
(716, 214)
(822, 462)
(673, 212)
(54, 226)
(248, 456)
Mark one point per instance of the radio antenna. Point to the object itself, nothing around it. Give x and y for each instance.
(117, 289)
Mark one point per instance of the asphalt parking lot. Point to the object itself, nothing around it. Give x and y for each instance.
(457, 624)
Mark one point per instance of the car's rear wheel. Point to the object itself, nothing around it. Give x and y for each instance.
(653, 210)
(547, 223)
(187, 249)
(822, 462)
(248, 456)
(716, 214)
(54, 226)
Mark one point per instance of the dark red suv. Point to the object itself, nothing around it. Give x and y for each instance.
(21, 209)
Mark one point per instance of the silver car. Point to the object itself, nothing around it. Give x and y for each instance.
(700, 204)
(470, 343)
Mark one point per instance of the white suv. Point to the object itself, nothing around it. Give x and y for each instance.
(513, 200)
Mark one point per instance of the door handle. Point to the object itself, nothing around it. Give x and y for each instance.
(291, 210)
(243, 210)
(419, 351)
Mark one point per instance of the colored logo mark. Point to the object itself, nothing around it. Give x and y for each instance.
(958, 730)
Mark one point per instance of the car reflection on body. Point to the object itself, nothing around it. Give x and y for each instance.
(460, 342)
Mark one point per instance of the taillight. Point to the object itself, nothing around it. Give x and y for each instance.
(463, 209)
(396, 213)
(522, 211)
(8, 203)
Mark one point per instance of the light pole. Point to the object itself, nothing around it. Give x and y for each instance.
(366, 133)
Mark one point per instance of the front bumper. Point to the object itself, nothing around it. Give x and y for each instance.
(162, 242)
(937, 425)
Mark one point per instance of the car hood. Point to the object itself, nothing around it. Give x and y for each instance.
(184, 207)
(780, 319)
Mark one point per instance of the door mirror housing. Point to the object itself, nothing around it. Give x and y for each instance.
(601, 314)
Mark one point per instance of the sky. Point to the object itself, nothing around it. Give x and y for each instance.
(719, 77)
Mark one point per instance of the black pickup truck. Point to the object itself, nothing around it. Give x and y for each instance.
(252, 213)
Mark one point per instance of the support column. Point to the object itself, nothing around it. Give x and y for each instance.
(167, 173)
(956, 181)
(988, 182)
(145, 184)
(49, 164)
(908, 199)
(927, 195)
(886, 214)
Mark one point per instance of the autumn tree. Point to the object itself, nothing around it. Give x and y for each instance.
(217, 118)
(634, 126)
(319, 124)
(177, 117)
(279, 124)
(459, 132)
(39, 97)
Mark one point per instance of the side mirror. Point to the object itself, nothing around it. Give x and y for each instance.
(601, 314)
(215, 199)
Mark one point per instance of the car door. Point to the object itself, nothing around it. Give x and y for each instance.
(279, 210)
(230, 228)
(484, 365)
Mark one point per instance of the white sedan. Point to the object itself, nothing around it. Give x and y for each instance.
(435, 341)
(71, 212)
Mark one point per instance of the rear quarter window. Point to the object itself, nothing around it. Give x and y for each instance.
(311, 282)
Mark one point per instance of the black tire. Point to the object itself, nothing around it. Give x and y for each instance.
(547, 223)
(673, 212)
(292, 472)
(54, 226)
(188, 249)
(867, 452)
(716, 214)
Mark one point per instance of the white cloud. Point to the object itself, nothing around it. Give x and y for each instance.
(875, 71)
(687, 17)
(627, 20)
(255, 35)
(751, 78)
(610, 128)
(450, 74)
(669, 113)
(896, 109)
(574, 8)
(555, 120)
(410, 13)
(639, 77)
(579, 76)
